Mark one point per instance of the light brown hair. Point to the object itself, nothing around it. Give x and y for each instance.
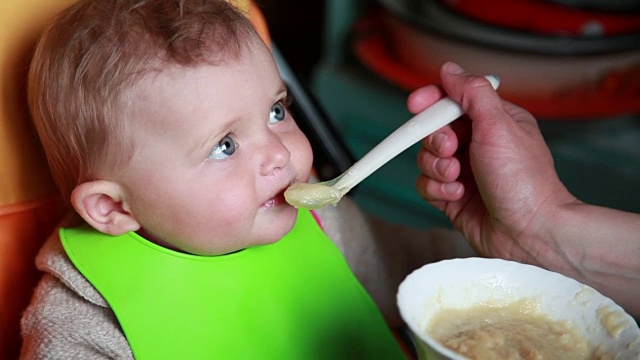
(95, 51)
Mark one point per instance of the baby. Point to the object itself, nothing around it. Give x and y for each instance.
(166, 127)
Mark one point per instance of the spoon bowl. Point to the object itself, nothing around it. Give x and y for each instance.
(317, 195)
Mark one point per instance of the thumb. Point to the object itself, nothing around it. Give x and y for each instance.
(476, 96)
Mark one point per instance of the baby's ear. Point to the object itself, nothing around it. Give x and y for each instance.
(102, 205)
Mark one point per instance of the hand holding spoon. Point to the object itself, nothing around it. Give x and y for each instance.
(317, 195)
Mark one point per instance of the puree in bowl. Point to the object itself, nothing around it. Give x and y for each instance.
(514, 331)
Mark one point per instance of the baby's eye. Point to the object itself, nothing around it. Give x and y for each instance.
(226, 147)
(278, 112)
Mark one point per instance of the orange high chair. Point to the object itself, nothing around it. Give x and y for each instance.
(29, 203)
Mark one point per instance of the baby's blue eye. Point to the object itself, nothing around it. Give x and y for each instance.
(226, 147)
(278, 112)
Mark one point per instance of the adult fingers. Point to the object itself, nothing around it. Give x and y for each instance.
(439, 193)
(443, 142)
(424, 97)
(444, 169)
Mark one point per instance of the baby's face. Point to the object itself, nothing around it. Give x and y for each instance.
(215, 150)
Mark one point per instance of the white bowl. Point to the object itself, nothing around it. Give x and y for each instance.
(462, 283)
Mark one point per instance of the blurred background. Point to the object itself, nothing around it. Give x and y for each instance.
(297, 28)
(575, 64)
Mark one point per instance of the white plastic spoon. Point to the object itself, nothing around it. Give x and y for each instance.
(317, 195)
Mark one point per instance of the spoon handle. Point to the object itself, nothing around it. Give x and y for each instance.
(421, 125)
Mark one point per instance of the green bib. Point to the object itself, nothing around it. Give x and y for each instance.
(294, 299)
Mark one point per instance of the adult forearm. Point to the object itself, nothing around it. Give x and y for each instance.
(599, 247)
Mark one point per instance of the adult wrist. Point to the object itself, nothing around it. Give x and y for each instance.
(549, 239)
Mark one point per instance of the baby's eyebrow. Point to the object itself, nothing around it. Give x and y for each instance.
(283, 89)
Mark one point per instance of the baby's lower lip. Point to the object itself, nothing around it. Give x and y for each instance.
(273, 202)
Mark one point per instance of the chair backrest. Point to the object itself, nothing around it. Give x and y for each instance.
(29, 203)
(29, 206)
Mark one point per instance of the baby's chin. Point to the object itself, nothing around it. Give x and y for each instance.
(278, 223)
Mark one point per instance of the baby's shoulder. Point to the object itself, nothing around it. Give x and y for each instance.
(67, 316)
(59, 323)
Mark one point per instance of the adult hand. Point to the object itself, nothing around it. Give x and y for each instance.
(493, 175)
(490, 172)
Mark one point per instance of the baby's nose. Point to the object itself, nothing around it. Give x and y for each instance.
(275, 156)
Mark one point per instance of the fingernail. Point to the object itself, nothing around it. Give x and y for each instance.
(438, 141)
(451, 188)
(453, 68)
(442, 167)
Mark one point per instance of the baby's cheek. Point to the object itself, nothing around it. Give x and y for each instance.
(304, 154)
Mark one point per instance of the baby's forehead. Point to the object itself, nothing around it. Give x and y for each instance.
(163, 79)
(174, 89)
(169, 86)
(164, 69)
(167, 73)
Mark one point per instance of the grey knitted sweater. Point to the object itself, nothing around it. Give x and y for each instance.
(69, 319)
